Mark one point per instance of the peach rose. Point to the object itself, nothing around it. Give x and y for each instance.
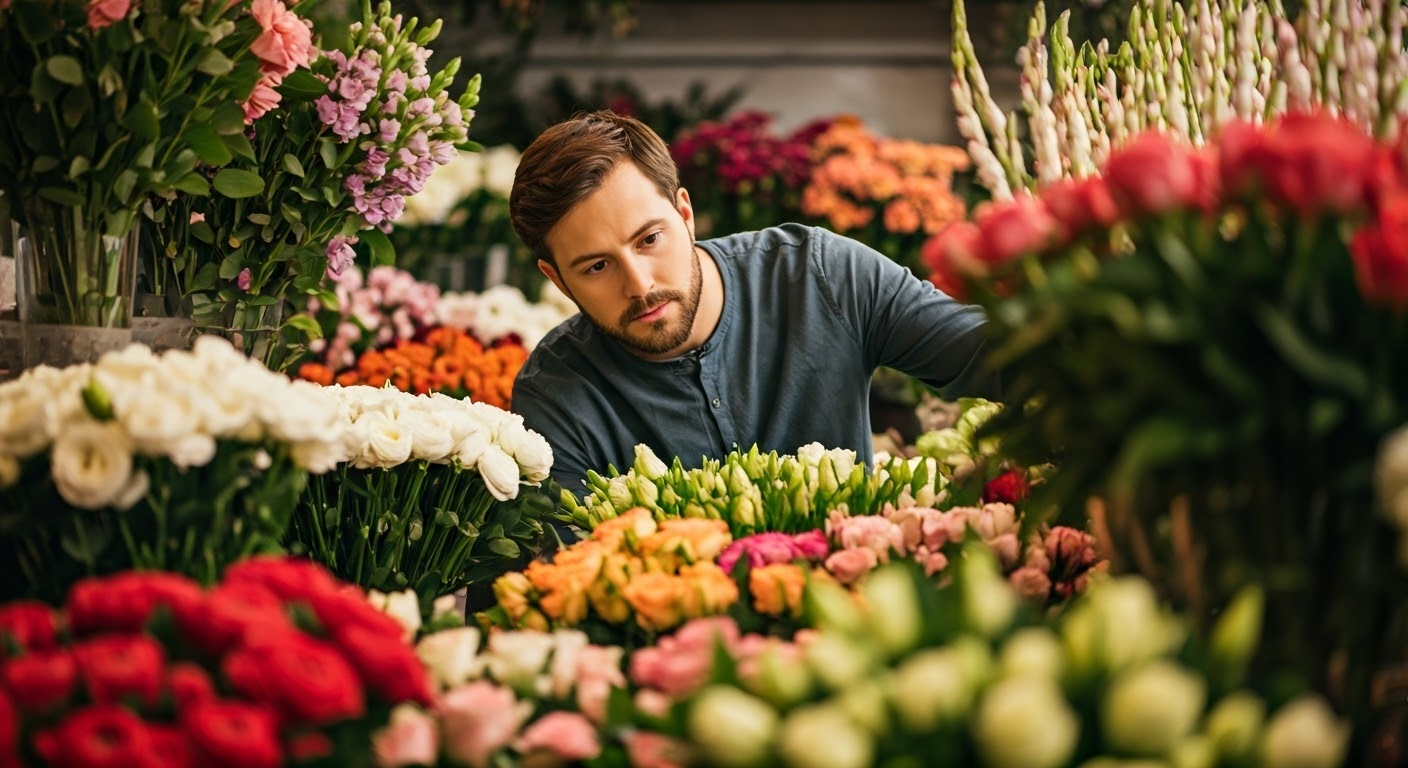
(777, 589)
(655, 597)
(851, 565)
(105, 13)
(565, 735)
(287, 40)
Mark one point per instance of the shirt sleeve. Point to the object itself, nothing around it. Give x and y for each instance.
(546, 417)
(902, 321)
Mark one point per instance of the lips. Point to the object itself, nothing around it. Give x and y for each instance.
(652, 315)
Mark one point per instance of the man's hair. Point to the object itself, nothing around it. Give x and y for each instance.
(568, 162)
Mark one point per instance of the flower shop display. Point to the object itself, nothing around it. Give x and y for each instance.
(963, 677)
(186, 461)
(1186, 69)
(1210, 341)
(277, 664)
(107, 104)
(503, 311)
(890, 194)
(374, 311)
(432, 495)
(331, 167)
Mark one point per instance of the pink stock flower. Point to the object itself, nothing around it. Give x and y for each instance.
(105, 13)
(478, 720)
(340, 254)
(287, 40)
(851, 565)
(244, 279)
(410, 738)
(566, 735)
(263, 98)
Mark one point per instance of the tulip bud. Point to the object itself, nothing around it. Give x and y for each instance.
(1305, 733)
(1235, 636)
(1234, 726)
(783, 682)
(988, 601)
(894, 608)
(1151, 708)
(822, 736)
(731, 727)
(836, 661)
(864, 703)
(830, 607)
(1033, 651)
(1025, 722)
(938, 685)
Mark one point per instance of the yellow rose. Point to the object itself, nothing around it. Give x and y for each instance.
(511, 592)
(777, 589)
(655, 598)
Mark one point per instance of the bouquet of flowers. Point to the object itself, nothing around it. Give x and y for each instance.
(888, 193)
(108, 104)
(331, 167)
(430, 496)
(1210, 335)
(187, 461)
(277, 664)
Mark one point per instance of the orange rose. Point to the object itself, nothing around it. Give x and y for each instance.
(693, 540)
(707, 590)
(777, 589)
(630, 526)
(656, 598)
(566, 605)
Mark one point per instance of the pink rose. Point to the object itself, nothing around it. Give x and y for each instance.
(598, 671)
(287, 40)
(652, 750)
(850, 565)
(567, 735)
(263, 98)
(1014, 228)
(411, 738)
(478, 720)
(1031, 583)
(105, 13)
(812, 544)
(762, 549)
(1154, 174)
(870, 531)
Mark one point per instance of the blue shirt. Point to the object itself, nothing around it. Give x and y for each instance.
(808, 316)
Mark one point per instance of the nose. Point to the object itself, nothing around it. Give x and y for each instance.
(639, 279)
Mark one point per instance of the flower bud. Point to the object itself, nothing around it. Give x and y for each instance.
(1024, 722)
(894, 608)
(864, 704)
(1234, 726)
(823, 736)
(1151, 708)
(938, 685)
(988, 601)
(836, 661)
(731, 727)
(647, 464)
(1236, 634)
(782, 681)
(1193, 752)
(1033, 651)
(1306, 734)
(830, 607)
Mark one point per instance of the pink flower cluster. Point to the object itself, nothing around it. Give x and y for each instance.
(392, 305)
(285, 44)
(1058, 566)
(771, 548)
(679, 664)
(401, 130)
(742, 153)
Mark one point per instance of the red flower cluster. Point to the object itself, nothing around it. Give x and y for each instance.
(742, 153)
(148, 669)
(1300, 167)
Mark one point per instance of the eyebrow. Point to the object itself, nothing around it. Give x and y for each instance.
(577, 260)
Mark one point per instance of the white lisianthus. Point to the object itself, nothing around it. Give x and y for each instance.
(431, 439)
(500, 165)
(932, 687)
(823, 736)
(23, 428)
(159, 416)
(1025, 722)
(385, 441)
(500, 473)
(92, 464)
(647, 463)
(1119, 624)
(451, 655)
(1305, 734)
(403, 606)
(194, 449)
(732, 728)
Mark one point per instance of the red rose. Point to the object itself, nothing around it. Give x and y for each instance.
(1380, 253)
(117, 666)
(1154, 174)
(951, 255)
(97, 737)
(1010, 487)
(1321, 163)
(234, 733)
(226, 613)
(189, 685)
(1243, 154)
(290, 578)
(1080, 204)
(306, 680)
(124, 602)
(1014, 228)
(40, 680)
(349, 607)
(171, 747)
(29, 624)
(387, 665)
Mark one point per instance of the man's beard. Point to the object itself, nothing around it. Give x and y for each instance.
(660, 339)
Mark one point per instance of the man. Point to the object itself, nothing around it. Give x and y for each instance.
(698, 348)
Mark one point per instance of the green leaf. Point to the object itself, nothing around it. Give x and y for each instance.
(201, 230)
(75, 106)
(215, 63)
(383, 252)
(123, 186)
(292, 165)
(36, 21)
(303, 84)
(236, 184)
(62, 196)
(44, 164)
(327, 150)
(193, 184)
(1315, 364)
(262, 219)
(205, 279)
(65, 69)
(502, 546)
(142, 119)
(228, 119)
(43, 88)
(231, 265)
(312, 330)
(208, 144)
(239, 145)
(78, 167)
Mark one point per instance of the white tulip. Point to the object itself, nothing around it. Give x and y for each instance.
(1032, 651)
(91, 464)
(1025, 722)
(823, 736)
(451, 655)
(1305, 734)
(931, 687)
(1234, 725)
(1151, 708)
(732, 728)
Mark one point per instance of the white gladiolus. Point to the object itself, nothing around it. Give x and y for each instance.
(92, 464)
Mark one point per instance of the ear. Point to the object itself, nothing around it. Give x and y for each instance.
(686, 210)
(551, 273)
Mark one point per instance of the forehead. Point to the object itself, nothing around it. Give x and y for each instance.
(610, 215)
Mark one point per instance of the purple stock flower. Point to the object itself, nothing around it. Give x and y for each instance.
(340, 254)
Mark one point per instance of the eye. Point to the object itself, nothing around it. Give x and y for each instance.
(650, 239)
(595, 267)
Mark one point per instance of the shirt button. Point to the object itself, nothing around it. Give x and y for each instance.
(717, 402)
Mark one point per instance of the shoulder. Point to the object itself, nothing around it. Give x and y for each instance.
(802, 247)
(563, 348)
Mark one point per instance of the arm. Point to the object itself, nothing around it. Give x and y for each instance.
(902, 321)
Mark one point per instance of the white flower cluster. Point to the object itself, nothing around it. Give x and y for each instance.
(467, 173)
(504, 310)
(387, 427)
(94, 419)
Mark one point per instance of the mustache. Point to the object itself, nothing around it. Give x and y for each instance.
(651, 301)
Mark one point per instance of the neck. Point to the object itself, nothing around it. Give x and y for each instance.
(711, 300)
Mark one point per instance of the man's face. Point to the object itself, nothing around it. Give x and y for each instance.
(626, 256)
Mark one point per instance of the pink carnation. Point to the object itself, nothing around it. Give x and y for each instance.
(287, 40)
(105, 13)
(263, 98)
(567, 735)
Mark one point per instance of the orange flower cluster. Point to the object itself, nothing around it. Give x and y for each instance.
(632, 569)
(859, 176)
(448, 360)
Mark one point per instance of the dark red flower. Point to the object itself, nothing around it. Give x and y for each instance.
(309, 745)
(1009, 487)
(348, 607)
(290, 578)
(103, 736)
(124, 602)
(1153, 174)
(1080, 204)
(227, 612)
(234, 733)
(189, 684)
(1320, 163)
(29, 624)
(1380, 254)
(118, 666)
(39, 681)
(387, 666)
(171, 747)
(306, 681)
(9, 730)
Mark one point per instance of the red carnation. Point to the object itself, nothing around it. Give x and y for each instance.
(227, 612)
(29, 624)
(97, 737)
(1010, 487)
(387, 665)
(234, 733)
(189, 685)
(290, 578)
(306, 680)
(171, 747)
(40, 680)
(124, 602)
(118, 666)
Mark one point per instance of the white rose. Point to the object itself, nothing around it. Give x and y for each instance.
(500, 165)
(732, 728)
(431, 439)
(500, 473)
(403, 606)
(823, 736)
(92, 464)
(1025, 722)
(531, 450)
(1305, 734)
(517, 658)
(450, 655)
(23, 420)
(9, 470)
(385, 441)
(301, 410)
(1150, 709)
